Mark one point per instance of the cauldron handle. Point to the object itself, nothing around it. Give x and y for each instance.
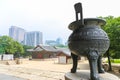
(78, 9)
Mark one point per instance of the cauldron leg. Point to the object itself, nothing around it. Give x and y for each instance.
(75, 62)
(100, 68)
(93, 57)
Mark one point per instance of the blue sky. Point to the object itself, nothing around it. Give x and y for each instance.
(51, 17)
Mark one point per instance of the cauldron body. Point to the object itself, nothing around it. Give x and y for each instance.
(88, 37)
(88, 40)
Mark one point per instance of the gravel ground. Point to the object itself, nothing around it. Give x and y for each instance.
(39, 70)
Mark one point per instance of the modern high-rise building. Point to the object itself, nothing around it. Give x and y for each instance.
(33, 38)
(59, 40)
(17, 33)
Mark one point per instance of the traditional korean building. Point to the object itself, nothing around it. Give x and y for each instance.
(64, 56)
(42, 52)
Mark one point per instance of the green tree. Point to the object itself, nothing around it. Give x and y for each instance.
(18, 48)
(112, 28)
(26, 53)
(1, 49)
(9, 46)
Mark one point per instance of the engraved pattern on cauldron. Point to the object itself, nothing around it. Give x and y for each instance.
(88, 33)
(85, 46)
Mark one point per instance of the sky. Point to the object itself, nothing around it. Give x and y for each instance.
(51, 17)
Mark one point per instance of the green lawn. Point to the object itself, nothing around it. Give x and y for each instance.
(115, 61)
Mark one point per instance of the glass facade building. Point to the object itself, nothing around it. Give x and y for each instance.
(17, 33)
(33, 38)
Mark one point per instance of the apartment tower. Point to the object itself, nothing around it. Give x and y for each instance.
(17, 33)
(33, 38)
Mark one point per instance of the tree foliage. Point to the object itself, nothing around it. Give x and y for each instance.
(9, 46)
(112, 28)
(26, 53)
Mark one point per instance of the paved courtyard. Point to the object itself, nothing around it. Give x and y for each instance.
(38, 70)
(8, 77)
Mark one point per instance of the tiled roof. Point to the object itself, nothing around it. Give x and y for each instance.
(66, 51)
(46, 48)
(38, 49)
(49, 48)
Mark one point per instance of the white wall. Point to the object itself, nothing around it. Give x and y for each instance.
(62, 59)
(0, 57)
(7, 56)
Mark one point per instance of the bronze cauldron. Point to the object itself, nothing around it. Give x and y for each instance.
(89, 40)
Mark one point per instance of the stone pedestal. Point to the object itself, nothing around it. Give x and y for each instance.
(85, 75)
